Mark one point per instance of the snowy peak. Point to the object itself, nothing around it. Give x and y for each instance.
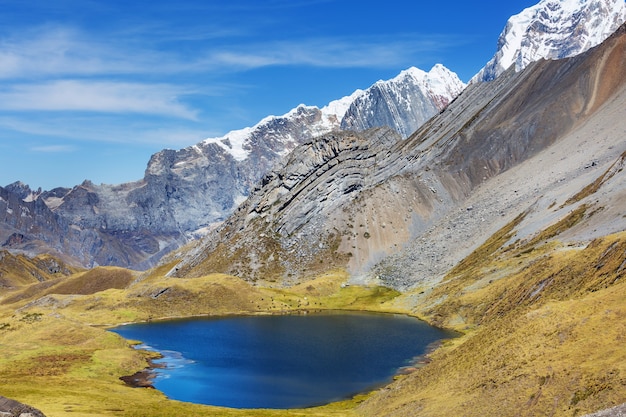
(443, 85)
(405, 102)
(553, 29)
(439, 80)
(302, 122)
(338, 108)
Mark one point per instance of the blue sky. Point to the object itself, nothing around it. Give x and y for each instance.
(89, 89)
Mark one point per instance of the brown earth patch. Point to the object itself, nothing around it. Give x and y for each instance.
(47, 365)
(95, 280)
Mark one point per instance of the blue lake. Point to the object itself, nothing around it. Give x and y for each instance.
(281, 361)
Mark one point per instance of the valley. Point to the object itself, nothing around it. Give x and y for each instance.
(502, 217)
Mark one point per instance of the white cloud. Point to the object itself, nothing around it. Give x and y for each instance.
(64, 52)
(103, 129)
(96, 96)
(378, 52)
(53, 148)
(58, 51)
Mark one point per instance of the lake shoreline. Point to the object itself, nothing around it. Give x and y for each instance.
(146, 378)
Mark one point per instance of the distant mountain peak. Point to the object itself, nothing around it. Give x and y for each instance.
(404, 102)
(553, 29)
(237, 142)
(23, 191)
(418, 94)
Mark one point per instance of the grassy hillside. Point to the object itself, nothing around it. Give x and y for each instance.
(545, 327)
(20, 270)
(543, 324)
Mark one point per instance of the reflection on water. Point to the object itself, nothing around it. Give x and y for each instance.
(281, 361)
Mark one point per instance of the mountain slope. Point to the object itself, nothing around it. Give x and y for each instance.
(359, 205)
(553, 30)
(521, 179)
(514, 200)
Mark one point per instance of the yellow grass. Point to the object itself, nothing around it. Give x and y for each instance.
(546, 339)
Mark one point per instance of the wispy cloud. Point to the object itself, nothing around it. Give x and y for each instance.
(380, 52)
(64, 52)
(54, 51)
(100, 129)
(96, 96)
(53, 148)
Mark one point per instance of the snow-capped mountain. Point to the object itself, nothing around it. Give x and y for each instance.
(283, 133)
(405, 102)
(186, 192)
(553, 29)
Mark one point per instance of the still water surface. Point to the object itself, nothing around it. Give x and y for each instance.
(281, 361)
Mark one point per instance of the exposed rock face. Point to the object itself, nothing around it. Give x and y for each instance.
(553, 29)
(12, 408)
(619, 411)
(405, 211)
(405, 102)
(24, 220)
(290, 214)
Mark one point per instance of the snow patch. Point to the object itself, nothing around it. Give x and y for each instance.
(237, 140)
(239, 199)
(338, 108)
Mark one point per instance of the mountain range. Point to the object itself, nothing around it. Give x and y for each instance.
(501, 217)
(186, 193)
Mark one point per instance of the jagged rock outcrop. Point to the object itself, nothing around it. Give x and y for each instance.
(291, 202)
(26, 222)
(378, 212)
(553, 29)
